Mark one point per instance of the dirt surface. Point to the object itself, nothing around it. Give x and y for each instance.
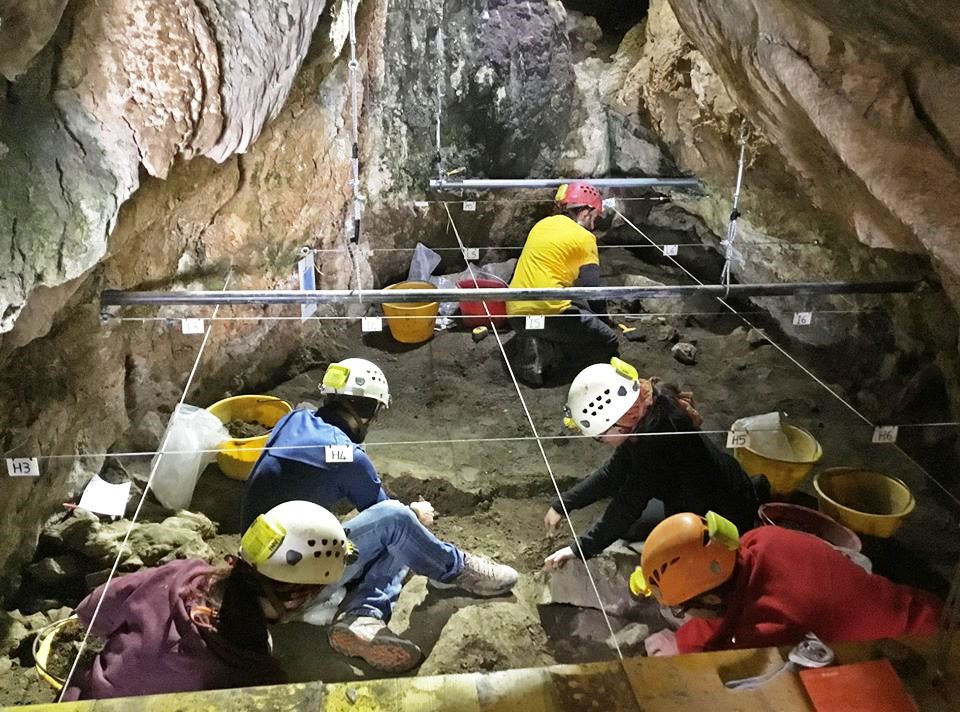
(66, 645)
(246, 429)
(459, 434)
(21, 686)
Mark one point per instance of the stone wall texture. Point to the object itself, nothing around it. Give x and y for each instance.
(846, 96)
(164, 144)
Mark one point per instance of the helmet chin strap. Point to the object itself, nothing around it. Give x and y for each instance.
(351, 422)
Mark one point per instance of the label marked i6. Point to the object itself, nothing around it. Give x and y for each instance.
(371, 323)
(534, 321)
(737, 438)
(192, 326)
(802, 318)
(885, 434)
(469, 206)
(338, 453)
(670, 250)
(23, 467)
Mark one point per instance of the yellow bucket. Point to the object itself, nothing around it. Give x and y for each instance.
(237, 456)
(416, 319)
(784, 475)
(867, 502)
(42, 646)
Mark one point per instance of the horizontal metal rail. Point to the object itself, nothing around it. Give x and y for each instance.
(511, 183)
(113, 297)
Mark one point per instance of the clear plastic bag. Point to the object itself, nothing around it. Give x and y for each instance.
(189, 444)
(422, 264)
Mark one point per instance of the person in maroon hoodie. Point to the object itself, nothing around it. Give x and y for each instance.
(188, 625)
(769, 587)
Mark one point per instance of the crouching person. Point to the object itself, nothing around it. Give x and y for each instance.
(188, 625)
(769, 587)
(392, 539)
(389, 539)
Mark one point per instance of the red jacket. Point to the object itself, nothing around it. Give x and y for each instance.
(152, 645)
(787, 584)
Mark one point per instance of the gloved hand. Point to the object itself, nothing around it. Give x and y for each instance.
(663, 644)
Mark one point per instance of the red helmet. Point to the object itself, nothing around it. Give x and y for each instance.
(579, 195)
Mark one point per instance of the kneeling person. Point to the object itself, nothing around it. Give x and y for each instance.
(188, 626)
(769, 587)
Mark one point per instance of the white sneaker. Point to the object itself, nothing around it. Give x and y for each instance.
(369, 638)
(483, 577)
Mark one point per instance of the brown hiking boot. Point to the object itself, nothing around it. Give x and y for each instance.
(370, 638)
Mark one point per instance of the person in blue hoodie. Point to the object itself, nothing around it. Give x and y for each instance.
(317, 456)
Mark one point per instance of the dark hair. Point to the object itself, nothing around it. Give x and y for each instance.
(665, 413)
(241, 620)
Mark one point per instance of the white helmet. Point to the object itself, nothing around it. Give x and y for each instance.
(600, 395)
(356, 377)
(297, 542)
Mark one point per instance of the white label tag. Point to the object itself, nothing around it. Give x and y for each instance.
(534, 321)
(802, 318)
(421, 204)
(371, 323)
(23, 467)
(885, 434)
(192, 326)
(670, 250)
(469, 206)
(738, 438)
(338, 453)
(473, 253)
(609, 202)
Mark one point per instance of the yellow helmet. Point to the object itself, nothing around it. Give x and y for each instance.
(684, 556)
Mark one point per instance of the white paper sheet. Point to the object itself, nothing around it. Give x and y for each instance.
(101, 497)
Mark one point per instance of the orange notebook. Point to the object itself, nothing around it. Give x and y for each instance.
(860, 687)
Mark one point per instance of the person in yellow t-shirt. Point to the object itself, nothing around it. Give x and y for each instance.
(561, 251)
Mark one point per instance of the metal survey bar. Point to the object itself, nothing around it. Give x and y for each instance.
(113, 297)
(504, 183)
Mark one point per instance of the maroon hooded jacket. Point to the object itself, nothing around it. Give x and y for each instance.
(787, 584)
(152, 645)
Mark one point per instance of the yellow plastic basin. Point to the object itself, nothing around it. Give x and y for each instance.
(784, 475)
(867, 502)
(237, 456)
(42, 646)
(411, 322)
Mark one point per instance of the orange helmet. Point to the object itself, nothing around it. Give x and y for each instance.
(579, 195)
(684, 556)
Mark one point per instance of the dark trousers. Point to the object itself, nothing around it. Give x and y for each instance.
(576, 339)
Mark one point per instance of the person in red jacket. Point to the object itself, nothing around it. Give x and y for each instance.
(769, 587)
(188, 625)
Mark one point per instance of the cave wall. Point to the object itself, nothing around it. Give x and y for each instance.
(72, 383)
(846, 99)
(121, 168)
(810, 209)
(143, 177)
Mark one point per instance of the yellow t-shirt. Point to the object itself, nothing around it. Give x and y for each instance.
(555, 250)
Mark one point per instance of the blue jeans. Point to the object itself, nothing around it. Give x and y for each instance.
(390, 541)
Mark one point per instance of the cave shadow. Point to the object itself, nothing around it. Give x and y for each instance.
(430, 616)
(219, 497)
(383, 341)
(305, 654)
